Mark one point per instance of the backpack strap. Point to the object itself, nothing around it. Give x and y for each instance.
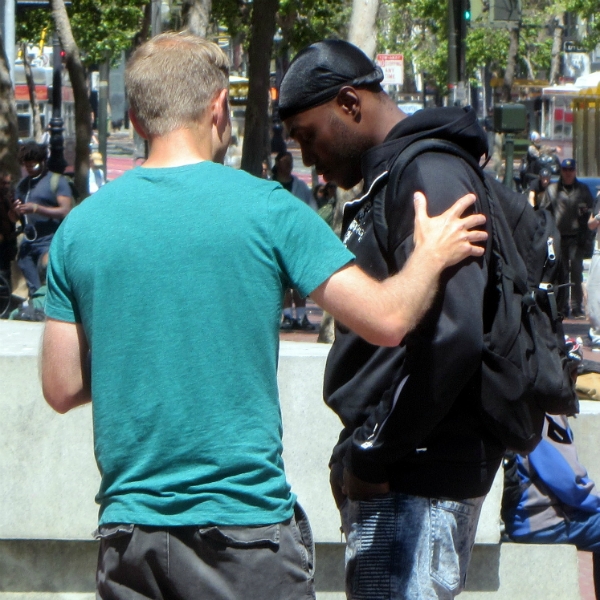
(54, 181)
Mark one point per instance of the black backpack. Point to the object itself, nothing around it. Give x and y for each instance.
(525, 368)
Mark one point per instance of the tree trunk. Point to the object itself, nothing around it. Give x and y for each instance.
(511, 63)
(35, 107)
(83, 110)
(557, 44)
(144, 33)
(256, 128)
(363, 32)
(196, 16)
(9, 137)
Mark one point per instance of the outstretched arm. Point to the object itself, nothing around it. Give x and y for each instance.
(383, 312)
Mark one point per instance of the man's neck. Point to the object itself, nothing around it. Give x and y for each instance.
(179, 148)
(387, 116)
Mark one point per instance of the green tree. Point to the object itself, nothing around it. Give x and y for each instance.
(89, 32)
(587, 10)
(419, 30)
(102, 29)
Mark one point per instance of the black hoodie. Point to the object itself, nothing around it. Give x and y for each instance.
(411, 413)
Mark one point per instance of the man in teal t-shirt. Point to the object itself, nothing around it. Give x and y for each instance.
(194, 502)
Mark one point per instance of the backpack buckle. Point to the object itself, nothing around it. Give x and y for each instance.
(529, 300)
(548, 288)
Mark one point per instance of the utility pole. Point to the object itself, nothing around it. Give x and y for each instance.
(459, 14)
(452, 47)
(156, 17)
(57, 162)
(103, 110)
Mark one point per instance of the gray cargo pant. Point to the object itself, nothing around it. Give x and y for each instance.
(271, 562)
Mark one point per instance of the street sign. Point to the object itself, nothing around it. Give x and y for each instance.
(502, 11)
(571, 46)
(393, 68)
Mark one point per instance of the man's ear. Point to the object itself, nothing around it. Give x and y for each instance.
(136, 124)
(348, 101)
(220, 110)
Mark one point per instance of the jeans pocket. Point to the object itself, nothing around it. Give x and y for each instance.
(303, 534)
(265, 536)
(453, 525)
(113, 531)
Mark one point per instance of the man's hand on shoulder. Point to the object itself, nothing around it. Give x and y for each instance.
(447, 239)
(383, 312)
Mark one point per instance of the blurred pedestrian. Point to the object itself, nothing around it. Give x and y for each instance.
(96, 174)
(549, 497)
(294, 304)
(42, 200)
(538, 186)
(571, 203)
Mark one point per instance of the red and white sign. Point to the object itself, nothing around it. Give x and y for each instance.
(393, 68)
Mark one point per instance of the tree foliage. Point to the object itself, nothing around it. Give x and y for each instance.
(102, 29)
(419, 30)
(588, 11)
(304, 22)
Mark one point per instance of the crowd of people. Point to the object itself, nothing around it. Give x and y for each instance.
(194, 500)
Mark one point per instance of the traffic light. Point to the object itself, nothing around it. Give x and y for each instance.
(467, 13)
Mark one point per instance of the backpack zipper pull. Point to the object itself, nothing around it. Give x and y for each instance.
(551, 253)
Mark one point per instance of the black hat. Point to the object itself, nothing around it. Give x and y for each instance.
(319, 71)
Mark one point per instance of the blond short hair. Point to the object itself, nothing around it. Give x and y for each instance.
(171, 80)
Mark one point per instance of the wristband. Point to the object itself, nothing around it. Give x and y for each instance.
(35, 207)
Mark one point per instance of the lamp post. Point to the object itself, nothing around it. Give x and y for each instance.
(56, 162)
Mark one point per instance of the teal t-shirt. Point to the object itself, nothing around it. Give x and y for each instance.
(177, 276)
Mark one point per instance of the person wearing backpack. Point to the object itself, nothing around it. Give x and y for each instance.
(414, 460)
(42, 200)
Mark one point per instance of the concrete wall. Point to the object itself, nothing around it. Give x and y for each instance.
(49, 478)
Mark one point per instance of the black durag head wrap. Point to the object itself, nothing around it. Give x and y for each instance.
(318, 73)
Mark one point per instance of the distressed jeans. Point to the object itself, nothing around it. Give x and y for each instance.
(402, 547)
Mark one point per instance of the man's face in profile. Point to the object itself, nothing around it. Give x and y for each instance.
(329, 143)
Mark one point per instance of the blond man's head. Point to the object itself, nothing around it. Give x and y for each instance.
(171, 80)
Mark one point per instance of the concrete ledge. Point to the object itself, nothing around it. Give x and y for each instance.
(49, 480)
(515, 571)
(64, 570)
